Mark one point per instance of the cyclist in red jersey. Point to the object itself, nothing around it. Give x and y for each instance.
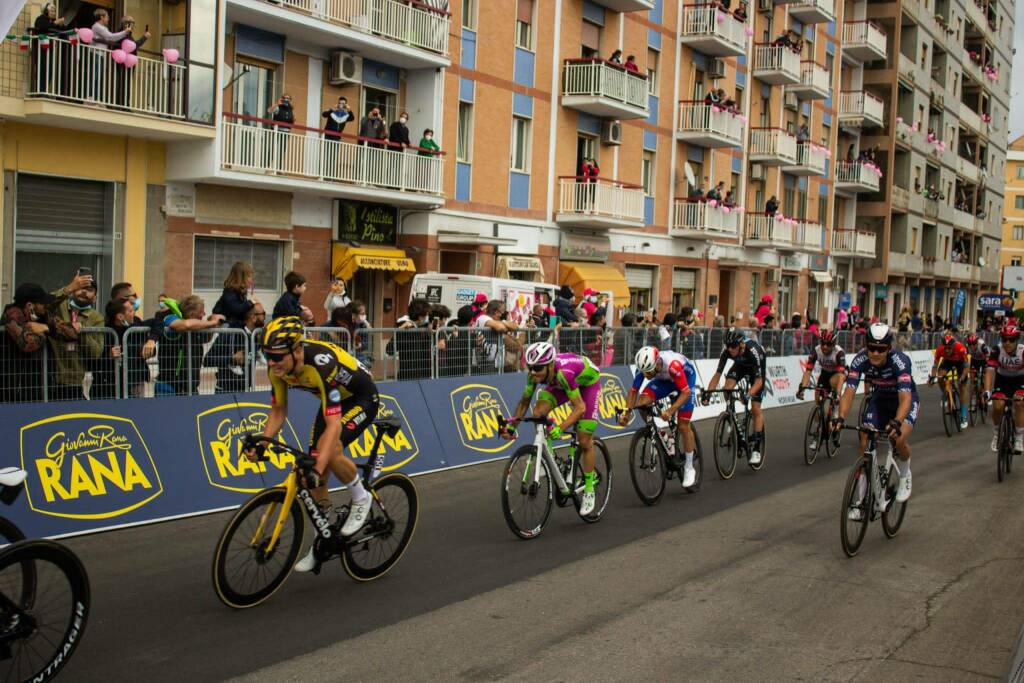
(953, 354)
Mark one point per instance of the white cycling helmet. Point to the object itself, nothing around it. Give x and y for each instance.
(879, 333)
(647, 359)
(540, 353)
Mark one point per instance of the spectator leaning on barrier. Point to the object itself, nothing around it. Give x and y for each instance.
(229, 353)
(495, 325)
(234, 302)
(71, 350)
(290, 302)
(27, 324)
(179, 354)
(120, 317)
(563, 305)
(412, 343)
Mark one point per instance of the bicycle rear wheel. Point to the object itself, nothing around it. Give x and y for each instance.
(892, 518)
(726, 445)
(40, 636)
(813, 435)
(382, 541)
(244, 573)
(698, 463)
(851, 531)
(646, 468)
(10, 533)
(956, 409)
(525, 503)
(973, 407)
(602, 481)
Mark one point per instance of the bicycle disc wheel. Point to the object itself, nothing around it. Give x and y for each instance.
(698, 463)
(382, 541)
(813, 435)
(602, 480)
(244, 574)
(525, 503)
(956, 410)
(948, 417)
(646, 468)
(894, 512)
(43, 635)
(851, 531)
(726, 446)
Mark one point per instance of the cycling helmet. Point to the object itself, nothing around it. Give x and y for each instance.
(879, 333)
(540, 353)
(283, 333)
(827, 337)
(1010, 333)
(947, 338)
(972, 339)
(647, 359)
(734, 336)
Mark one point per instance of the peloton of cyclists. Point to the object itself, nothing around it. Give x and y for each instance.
(953, 354)
(832, 359)
(749, 362)
(1003, 381)
(669, 374)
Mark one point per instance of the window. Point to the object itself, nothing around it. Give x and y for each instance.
(524, 24)
(652, 72)
(1018, 202)
(254, 91)
(1015, 261)
(590, 40)
(684, 288)
(822, 208)
(586, 148)
(469, 14)
(698, 84)
(1020, 172)
(647, 173)
(765, 108)
(520, 144)
(1018, 232)
(214, 257)
(385, 100)
(464, 142)
(826, 134)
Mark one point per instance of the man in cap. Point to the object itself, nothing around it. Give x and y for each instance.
(72, 351)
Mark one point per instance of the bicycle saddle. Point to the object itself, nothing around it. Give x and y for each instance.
(390, 424)
(12, 476)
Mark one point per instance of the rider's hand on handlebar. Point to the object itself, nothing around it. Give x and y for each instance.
(931, 378)
(625, 416)
(508, 430)
(705, 398)
(555, 432)
(837, 423)
(800, 392)
(893, 428)
(666, 415)
(255, 453)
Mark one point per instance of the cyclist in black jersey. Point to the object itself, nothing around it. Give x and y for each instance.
(748, 361)
(348, 405)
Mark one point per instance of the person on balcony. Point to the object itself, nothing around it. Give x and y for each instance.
(631, 65)
(122, 72)
(711, 97)
(103, 39)
(804, 134)
(47, 24)
(741, 12)
(398, 134)
(716, 191)
(282, 111)
(771, 207)
(337, 116)
(727, 103)
(730, 199)
(616, 57)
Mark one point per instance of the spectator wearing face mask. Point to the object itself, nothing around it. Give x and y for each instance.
(108, 382)
(229, 353)
(180, 349)
(27, 324)
(372, 129)
(589, 304)
(412, 343)
(398, 134)
(73, 351)
(428, 148)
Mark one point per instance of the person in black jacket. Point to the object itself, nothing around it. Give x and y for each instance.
(229, 353)
(290, 302)
(337, 117)
(122, 73)
(50, 25)
(398, 134)
(563, 305)
(234, 303)
(413, 343)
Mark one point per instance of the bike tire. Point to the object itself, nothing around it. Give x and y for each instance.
(513, 490)
(698, 463)
(726, 445)
(602, 481)
(813, 432)
(260, 511)
(851, 532)
(9, 534)
(1005, 447)
(973, 410)
(647, 468)
(956, 410)
(833, 439)
(947, 417)
(388, 531)
(34, 655)
(894, 513)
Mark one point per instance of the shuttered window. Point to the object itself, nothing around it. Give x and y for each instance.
(684, 279)
(214, 257)
(640, 278)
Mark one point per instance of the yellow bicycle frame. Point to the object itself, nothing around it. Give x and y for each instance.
(291, 489)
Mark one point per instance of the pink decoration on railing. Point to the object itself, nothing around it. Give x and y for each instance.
(715, 108)
(743, 118)
(170, 55)
(84, 35)
(119, 55)
(749, 31)
(712, 203)
(899, 119)
(738, 209)
(942, 146)
(128, 45)
(719, 17)
(131, 60)
(726, 209)
(915, 127)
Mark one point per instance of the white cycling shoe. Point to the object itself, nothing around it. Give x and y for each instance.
(587, 503)
(357, 516)
(689, 476)
(963, 423)
(995, 442)
(755, 458)
(903, 491)
(855, 514)
(307, 563)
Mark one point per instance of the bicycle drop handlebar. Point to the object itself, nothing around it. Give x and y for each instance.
(252, 441)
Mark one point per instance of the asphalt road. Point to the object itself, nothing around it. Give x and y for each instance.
(744, 579)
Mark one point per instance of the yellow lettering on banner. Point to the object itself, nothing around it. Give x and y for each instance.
(133, 475)
(93, 479)
(49, 478)
(482, 425)
(80, 481)
(612, 405)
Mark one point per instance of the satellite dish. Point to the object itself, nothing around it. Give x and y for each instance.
(981, 261)
(690, 178)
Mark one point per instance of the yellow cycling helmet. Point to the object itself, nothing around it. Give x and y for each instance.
(283, 333)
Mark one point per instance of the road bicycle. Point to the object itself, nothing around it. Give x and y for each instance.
(732, 432)
(950, 400)
(870, 493)
(651, 466)
(537, 475)
(819, 433)
(977, 410)
(259, 545)
(44, 598)
(1007, 430)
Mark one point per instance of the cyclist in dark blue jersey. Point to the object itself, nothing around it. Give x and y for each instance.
(748, 362)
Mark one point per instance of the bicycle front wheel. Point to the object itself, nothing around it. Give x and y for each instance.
(40, 635)
(602, 480)
(245, 572)
(726, 445)
(646, 468)
(1005, 446)
(855, 511)
(526, 493)
(10, 533)
(892, 518)
(813, 435)
(949, 420)
(382, 541)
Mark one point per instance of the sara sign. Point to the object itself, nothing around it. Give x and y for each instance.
(994, 302)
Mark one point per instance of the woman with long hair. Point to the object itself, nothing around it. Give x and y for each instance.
(234, 302)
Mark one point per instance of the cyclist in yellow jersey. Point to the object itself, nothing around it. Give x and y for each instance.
(348, 405)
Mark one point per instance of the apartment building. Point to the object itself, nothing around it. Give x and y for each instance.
(1012, 248)
(190, 168)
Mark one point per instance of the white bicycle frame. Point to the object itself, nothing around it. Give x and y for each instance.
(542, 446)
(876, 475)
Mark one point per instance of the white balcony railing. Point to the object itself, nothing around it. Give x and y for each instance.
(601, 79)
(89, 74)
(779, 61)
(963, 220)
(813, 11)
(857, 173)
(853, 243)
(773, 144)
(604, 198)
(811, 156)
(707, 23)
(696, 216)
(254, 146)
(409, 23)
(769, 230)
(861, 104)
(864, 35)
(814, 75)
(698, 118)
(807, 235)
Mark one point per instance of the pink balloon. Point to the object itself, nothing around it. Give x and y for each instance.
(84, 34)
(725, 209)
(719, 17)
(712, 203)
(743, 118)
(119, 55)
(914, 128)
(738, 209)
(130, 60)
(128, 45)
(715, 108)
(749, 31)
(899, 119)
(170, 55)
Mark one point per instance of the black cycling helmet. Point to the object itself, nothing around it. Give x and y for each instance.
(734, 337)
(880, 334)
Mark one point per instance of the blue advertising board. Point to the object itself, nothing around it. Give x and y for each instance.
(845, 301)
(995, 302)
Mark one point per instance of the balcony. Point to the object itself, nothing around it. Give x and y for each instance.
(262, 153)
(900, 199)
(909, 264)
(937, 268)
(971, 119)
(813, 11)
(694, 218)
(79, 86)
(707, 125)
(808, 236)
(855, 176)
(989, 275)
(407, 34)
(961, 271)
(814, 82)
(963, 220)
(864, 41)
(768, 232)
(772, 147)
(859, 108)
(604, 89)
(967, 169)
(703, 31)
(601, 204)
(852, 243)
(776, 65)
(626, 5)
(810, 160)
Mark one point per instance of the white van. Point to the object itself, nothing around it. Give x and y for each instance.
(456, 291)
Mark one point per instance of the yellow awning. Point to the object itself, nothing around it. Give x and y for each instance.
(599, 276)
(345, 261)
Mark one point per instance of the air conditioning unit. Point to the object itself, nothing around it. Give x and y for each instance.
(791, 101)
(716, 68)
(766, 6)
(757, 171)
(346, 68)
(611, 133)
(773, 275)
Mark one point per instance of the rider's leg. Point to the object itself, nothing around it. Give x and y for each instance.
(1018, 417)
(965, 394)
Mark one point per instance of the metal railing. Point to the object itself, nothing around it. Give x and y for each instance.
(864, 33)
(826, 7)
(860, 103)
(773, 142)
(703, 20)
(408, 23)
(599, 78)
(814, 75)
(808, 235)
(857, 173)
(695, 215)
(776, 58)
(601, 197)
(769, 230)
(850, 242)
(697, 117)
(811, 156)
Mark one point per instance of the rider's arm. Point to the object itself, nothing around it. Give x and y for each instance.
(906, 401)
(850, 388)
(808, 367)
(678, 374)
(524, 400)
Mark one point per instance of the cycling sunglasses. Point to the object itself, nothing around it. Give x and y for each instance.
(536, 368)
(276, 356)
(733, 346)
(877, 348)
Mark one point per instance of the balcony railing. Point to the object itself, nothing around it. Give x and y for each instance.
(813, 11)
(857, 176)
(265, 147)
(627, 5)
(778, 65)
(695, 217)
(960, 271)
(407, 22)
(855, 243)
(769, 231)
(709, 125)
(601, 203)
(963, 220)
(88, 74)
(807, 236)
(814, 81)
(864, 40)
(712, 31)
(861, 107)
(772, 146)
(810, 160)
(602, 88)
(900, 199)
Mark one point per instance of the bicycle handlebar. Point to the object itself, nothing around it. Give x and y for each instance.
(252, 441)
